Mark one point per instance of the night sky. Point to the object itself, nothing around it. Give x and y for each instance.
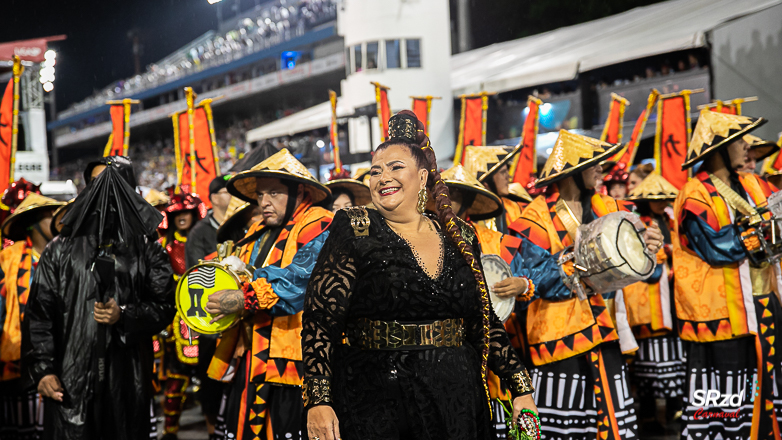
(98, 50)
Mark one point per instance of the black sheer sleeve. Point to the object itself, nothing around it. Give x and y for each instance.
(503, 359)
(325, 308)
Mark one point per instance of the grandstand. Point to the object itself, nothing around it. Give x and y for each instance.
(252, 63)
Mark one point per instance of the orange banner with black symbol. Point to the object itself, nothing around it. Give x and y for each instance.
(472, 124)
(524, 166)
(672, 137)
(422, 107)
(195, 146)
(627, 154)
(383, 109)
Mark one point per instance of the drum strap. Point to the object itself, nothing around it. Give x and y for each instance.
(734, 200)
(568, 218)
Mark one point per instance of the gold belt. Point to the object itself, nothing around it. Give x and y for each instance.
(393, 335)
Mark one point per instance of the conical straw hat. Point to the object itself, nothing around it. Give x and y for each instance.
(715, 130)
(653, 187)
(571, 154)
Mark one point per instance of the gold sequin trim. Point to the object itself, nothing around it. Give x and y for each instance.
(316, 391)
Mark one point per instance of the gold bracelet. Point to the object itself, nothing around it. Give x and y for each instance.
(316, 391)
(521, 383)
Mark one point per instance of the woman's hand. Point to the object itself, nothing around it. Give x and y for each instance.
(223, 303)
(523, 402)
(510, 287)
(322, 423)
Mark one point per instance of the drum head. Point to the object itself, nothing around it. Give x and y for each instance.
(631, 248)
(495, 269)
(192, 294)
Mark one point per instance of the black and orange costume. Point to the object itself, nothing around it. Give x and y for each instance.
(579, 375)
(658, 369)
(727, 308)
(261, 356)
(483, 163)
(525, 259)
(180, 348)
(19, 405)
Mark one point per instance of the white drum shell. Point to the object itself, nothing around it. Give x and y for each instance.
(612, 251)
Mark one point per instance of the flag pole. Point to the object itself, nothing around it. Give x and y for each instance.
(17, 73)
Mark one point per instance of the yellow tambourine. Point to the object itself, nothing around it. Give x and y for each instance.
(194, 288)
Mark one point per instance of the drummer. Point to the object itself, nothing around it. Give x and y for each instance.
(490, 165)
(264, 399)
(348, 193)
(28, 227)
(533, 269)
(658, 368)
(759, 149)
(726, 307)
(239, 217)
(573, 340)
(180, 360)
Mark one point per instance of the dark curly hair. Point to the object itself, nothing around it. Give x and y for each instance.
(424, 157)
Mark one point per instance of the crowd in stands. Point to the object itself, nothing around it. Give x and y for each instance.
(275, 22)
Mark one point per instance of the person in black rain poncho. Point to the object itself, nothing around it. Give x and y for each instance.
(100, 291)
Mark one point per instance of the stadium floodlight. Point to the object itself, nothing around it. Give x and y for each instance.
(47, 70)
(211, 2)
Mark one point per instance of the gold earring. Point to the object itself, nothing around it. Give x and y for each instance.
(422, 199)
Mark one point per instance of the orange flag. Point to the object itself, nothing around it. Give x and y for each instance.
(116, 144)
(524, 165)
(472, 125)
(9, 123)
(196, 146)
(6, 130)
(673, 136)
(120, 128)
(612, 131)
(775, 160)
(422, 105)
(627, 154)
(383, 109)
(334, 133)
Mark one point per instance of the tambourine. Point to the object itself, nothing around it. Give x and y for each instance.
(495, 269)
(202, 280)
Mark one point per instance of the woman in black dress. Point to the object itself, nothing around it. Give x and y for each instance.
(398, 331)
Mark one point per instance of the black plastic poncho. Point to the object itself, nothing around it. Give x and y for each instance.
(60, 335)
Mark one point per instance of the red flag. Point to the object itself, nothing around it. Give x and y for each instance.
(116, 144)
(6, 131)
(383, 109)
(422, 105)
(334, 133)
(196, 159)
(524, 165)
(627, 154)
(672, 137)
(612, 131)
(472, 126)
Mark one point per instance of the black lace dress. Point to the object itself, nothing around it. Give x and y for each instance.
(432, 393)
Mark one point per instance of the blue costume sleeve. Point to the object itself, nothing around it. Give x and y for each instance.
(717, 248)
(656, 275)
(535, 263)
(290, 283)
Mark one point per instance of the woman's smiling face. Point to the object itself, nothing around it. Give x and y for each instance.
(395, 179)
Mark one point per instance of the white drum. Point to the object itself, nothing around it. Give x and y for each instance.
(495, 269)
(610, 252)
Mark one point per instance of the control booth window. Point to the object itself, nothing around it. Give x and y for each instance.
(392, 54)
(347, 61)
(357, 54)
(413, 53)
(372, 52)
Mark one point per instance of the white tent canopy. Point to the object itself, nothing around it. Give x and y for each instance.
(561, 54)
(312, 118)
